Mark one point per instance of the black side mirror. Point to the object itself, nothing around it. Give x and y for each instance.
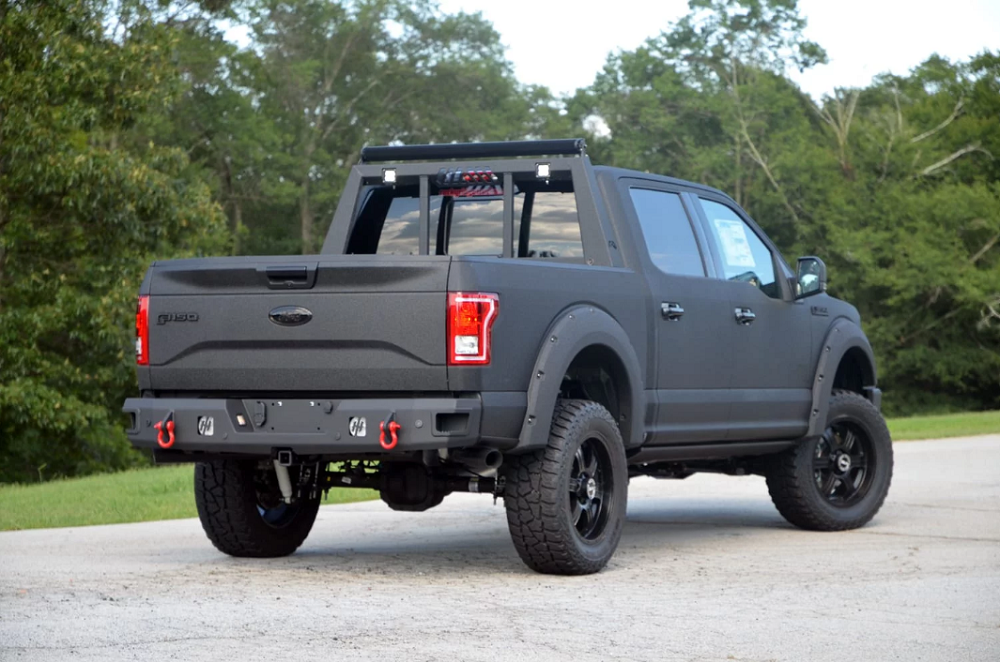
(810, 277)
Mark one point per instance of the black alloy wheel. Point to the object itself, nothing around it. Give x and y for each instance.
(591, 489)
(844, 464)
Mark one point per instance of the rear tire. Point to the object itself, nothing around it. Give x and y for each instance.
(241, 510)
(837, 481)
(566, 503)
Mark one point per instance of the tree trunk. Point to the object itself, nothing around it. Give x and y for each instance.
(306, 217)
(3, 218)
(3, 259)
(737, 189)
(237, 225)
(230, 197)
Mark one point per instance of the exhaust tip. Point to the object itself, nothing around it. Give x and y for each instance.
(493, 458)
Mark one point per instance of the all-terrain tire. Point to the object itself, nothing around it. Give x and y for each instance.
(539, 502)
(795, 482)
(227, 495)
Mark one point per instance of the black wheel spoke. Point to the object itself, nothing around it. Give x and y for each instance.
(592, 467)
(827, 484)
(849, 439)
(577, 511)
(859, 461)
(847, 485)
(578, 461)
(821, 463)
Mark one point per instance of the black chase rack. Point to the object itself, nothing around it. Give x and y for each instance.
(484, 150)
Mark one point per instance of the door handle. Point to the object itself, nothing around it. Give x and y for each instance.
(745, 316)
(671, 311)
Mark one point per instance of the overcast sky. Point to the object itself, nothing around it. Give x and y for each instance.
(562, 45)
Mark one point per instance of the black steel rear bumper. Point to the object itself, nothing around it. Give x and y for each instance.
(307, 427)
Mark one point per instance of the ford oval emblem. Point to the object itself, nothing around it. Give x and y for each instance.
(290, 315)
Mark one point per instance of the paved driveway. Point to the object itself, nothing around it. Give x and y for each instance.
(707, 570)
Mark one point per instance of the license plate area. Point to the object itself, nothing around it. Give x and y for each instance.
(292, 416)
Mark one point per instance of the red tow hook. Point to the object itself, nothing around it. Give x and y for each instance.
(168, 424)
(393, 427)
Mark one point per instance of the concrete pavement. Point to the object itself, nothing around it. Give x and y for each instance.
(707, 570)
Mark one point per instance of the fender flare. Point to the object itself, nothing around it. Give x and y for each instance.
(575, 329)
(842, 337)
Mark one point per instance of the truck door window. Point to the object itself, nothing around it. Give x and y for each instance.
(745, 257)
(668, 233)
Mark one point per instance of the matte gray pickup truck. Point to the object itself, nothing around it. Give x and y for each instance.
(507, 318)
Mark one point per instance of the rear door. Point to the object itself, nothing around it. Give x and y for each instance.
(692, 317)
(773, 368)
(323, 323)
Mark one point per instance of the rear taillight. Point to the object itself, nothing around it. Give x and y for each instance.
(470, 318)
(142, 331)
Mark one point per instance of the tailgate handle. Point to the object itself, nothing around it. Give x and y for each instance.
(291, 277)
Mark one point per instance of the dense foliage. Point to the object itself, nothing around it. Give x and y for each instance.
(896, 186)
(135, 130)
(84, 207)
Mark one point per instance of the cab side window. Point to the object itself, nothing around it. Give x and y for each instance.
(745, 257)
(668, 233)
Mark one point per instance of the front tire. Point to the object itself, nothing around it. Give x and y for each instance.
(242, 513)
(839, 480)
(566, 503)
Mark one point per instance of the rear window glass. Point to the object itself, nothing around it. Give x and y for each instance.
(389, 223)
(401, 229)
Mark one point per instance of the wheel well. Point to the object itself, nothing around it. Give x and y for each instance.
(854, 372)
(598, 374)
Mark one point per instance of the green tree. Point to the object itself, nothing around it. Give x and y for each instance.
(894, 185)
(277, 123)
(915, 239)
(84, 207)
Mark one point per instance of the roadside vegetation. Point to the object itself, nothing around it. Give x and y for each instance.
(160, 493)
(966, 424)
(137, 495)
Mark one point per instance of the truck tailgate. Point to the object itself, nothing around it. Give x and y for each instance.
(375, 323)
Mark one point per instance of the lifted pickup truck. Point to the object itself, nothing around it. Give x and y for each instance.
(507, 318)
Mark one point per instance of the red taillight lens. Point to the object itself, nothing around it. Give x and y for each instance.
(470, 318)
(142, 332)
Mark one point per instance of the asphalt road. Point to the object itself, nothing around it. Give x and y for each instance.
(707, 570)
